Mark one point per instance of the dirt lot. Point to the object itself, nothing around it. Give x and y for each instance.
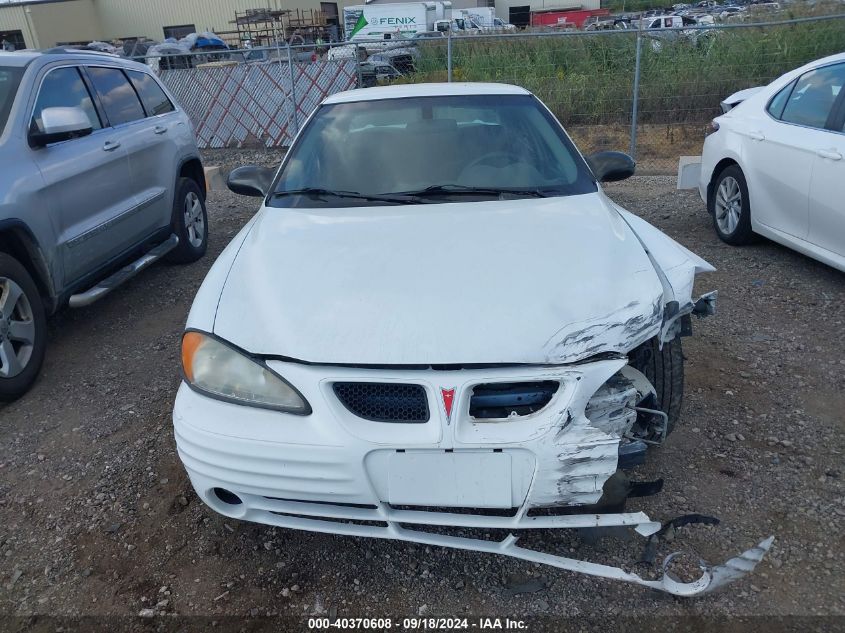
(97, 516)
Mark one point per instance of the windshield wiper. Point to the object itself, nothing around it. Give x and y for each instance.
(439, 190)
(316, 192)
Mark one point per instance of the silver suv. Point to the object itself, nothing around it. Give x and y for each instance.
(100, 176)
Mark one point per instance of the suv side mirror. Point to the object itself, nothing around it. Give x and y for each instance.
(60, 124)
(250, 180)
(611, 166)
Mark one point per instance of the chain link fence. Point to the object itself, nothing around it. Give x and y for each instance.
(651, 93)
(257, 97)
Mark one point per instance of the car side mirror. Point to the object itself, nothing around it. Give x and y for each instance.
(250, 180)
(611, 166)
(60, 124)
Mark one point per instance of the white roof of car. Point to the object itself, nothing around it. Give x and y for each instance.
(404, 91)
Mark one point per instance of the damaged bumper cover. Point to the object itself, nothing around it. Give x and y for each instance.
(383, 521)
(342, 474)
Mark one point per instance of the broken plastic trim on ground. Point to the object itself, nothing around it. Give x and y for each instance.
(384, 521)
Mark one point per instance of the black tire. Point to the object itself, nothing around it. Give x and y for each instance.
(14, 382)
(664, 368)
(190, 248)
(736, 231)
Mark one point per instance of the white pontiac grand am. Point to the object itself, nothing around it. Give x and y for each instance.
(438, 318)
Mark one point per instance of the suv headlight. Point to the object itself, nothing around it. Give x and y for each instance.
(222, 371)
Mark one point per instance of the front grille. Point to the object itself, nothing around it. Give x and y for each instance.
(384, 402)
(498, 400)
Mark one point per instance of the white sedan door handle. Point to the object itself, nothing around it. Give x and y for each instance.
(757, 136)
(110, 146)
(159, 129)
(829, 153)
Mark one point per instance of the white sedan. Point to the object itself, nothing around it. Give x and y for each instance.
(775, 166)
(438, 318)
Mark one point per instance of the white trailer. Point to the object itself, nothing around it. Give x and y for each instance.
(393, 21)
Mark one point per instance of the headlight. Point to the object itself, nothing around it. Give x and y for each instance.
(222, 371)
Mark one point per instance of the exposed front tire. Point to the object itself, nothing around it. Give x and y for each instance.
(23, 329)
(731, 208)
(664, 368)
(190, 223)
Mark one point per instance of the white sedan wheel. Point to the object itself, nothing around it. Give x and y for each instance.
(728, 205)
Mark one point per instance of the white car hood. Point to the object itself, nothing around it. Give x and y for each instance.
(527, 281)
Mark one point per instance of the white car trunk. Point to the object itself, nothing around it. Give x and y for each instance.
(521, 281)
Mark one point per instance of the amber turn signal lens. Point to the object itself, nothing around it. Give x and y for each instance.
(191, 342)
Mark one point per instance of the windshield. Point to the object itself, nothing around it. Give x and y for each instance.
(9, 80)
(425, 149)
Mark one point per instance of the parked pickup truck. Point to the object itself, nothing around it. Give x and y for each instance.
(673, 27)
(668, 22)
(100, 176)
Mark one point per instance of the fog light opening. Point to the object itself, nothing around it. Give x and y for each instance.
(229, 498)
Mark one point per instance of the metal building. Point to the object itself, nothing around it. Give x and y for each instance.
(45, 23)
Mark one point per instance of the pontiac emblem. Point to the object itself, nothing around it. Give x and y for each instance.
(448, 396)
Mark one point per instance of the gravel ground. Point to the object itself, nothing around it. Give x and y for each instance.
(97, 516)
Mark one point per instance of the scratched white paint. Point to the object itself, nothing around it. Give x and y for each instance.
(574, 461)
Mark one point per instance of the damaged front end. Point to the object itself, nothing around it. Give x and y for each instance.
(586, 472)
(599, 438)
(628, 408)
(421, 429)
(515, 454)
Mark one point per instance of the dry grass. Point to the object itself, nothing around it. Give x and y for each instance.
(658, 146)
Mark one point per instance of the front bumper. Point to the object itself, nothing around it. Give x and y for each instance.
(334, 472)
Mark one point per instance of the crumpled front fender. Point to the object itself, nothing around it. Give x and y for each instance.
(676, 266)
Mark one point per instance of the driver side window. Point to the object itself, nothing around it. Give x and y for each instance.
(63, 87)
